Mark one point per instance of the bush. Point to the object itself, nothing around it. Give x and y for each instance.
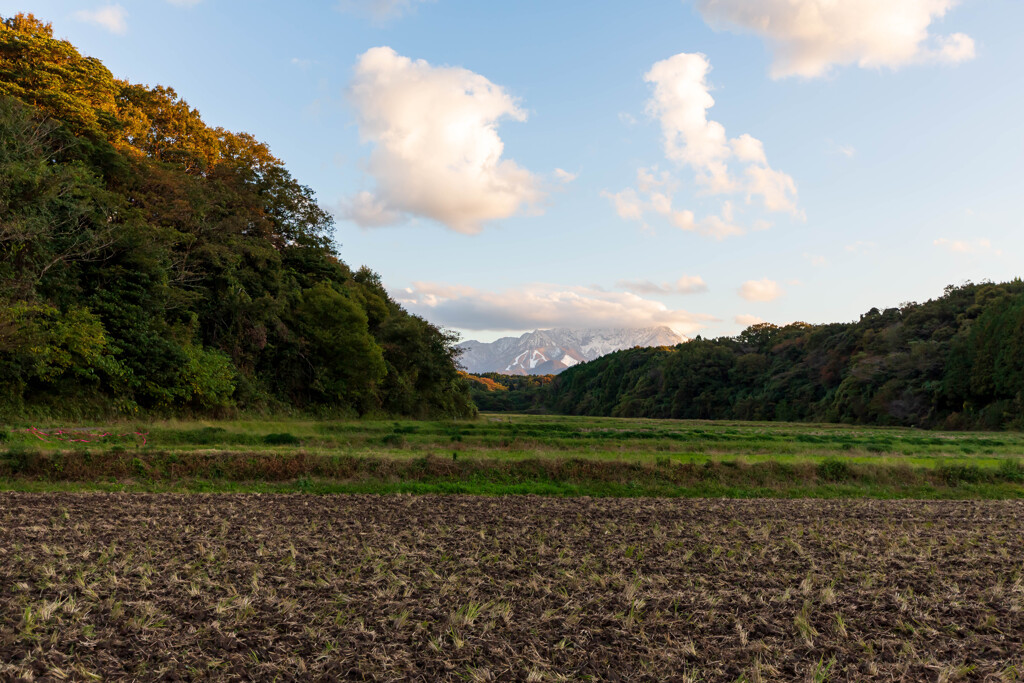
(211, 376)
(1011, 470)
(394, 440)
(407, 429)
(834, 470)
(954, 475)
(283, 439)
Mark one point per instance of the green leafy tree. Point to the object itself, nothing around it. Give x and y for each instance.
(955, 361)
(149, 262)
(345, 363)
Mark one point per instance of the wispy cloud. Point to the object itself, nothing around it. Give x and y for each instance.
(761, 290)
(655, 196)
(380, 10)
(541, 306)
(364, 209)
(747, 320)
(564, 176)
(627, 204)
(978, 246)
(860, 247)
(113, 18)
(687, 284)
(848, 151)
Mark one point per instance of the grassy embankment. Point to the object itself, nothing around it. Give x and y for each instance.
(499, 454)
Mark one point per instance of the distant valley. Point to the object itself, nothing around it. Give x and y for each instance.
(548, 352)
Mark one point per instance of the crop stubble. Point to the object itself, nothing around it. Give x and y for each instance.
(518, 588)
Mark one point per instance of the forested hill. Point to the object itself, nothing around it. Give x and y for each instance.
(150, 262)
(952, 362)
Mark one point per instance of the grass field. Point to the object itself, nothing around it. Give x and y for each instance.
(500, 453)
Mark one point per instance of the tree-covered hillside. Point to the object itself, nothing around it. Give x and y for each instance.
(497, 392)
(952, 362)
(151, 262)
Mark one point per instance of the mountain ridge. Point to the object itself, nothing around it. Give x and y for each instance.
(551, 351)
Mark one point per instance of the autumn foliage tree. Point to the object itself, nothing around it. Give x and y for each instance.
(150, 262)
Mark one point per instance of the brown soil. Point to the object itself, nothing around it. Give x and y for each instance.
(243, 587)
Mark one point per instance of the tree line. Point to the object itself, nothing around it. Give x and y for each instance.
(152, 263)
(955, 362)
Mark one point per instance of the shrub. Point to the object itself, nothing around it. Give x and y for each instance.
(282, 439)
(834, 470)
(954, 475)
(1011, 470)
(407, 429)
(394, 440)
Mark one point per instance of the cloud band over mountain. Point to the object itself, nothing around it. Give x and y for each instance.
(543, 306)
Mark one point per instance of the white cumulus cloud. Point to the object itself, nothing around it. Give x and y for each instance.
(761, 290)
(542, 306)
(809, 37)
(680, 100)
(436, 150)
(113, 18)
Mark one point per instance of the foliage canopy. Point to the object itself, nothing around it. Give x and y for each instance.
(151, 262)
(953, 362)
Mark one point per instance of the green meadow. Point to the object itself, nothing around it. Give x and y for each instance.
(502, 453)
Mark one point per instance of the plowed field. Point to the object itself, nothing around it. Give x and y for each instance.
(243, 587)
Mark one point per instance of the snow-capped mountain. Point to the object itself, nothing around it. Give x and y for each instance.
(548, 352)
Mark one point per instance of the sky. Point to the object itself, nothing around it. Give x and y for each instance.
(701, 164)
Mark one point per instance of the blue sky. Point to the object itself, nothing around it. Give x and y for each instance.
(533, 164)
